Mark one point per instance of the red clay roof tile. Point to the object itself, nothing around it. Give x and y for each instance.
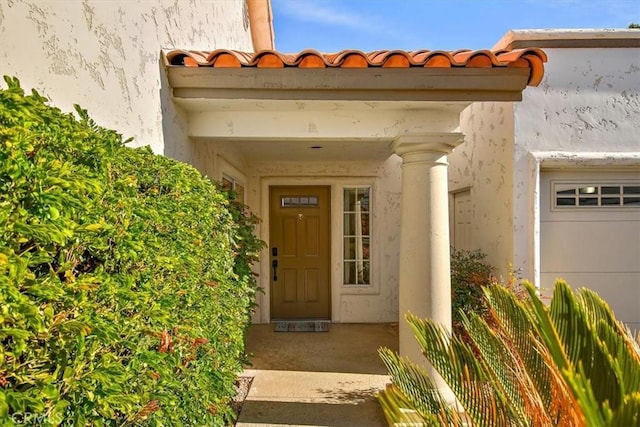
(222, 58)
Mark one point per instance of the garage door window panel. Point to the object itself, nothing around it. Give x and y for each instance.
(569, 195)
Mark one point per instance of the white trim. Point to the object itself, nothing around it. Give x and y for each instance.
(574, 184)
(586, 159)
(373, 287)
(569, 38)
(534, 224)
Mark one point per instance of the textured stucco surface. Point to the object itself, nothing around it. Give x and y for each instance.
(586, 108)
(105, 56)
(588, 102)
(483, 165)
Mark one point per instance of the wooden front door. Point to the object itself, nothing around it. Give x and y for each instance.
(299, 233)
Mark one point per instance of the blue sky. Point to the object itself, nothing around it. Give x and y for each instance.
(332, 25)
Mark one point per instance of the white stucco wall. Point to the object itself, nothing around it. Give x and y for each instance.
(483, 165)
(105, 56)
(588, 105)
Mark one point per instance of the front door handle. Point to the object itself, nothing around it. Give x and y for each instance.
(274, 264)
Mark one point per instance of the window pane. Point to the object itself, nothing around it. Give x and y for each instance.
(632, 201)
(349, 199)
(227, 183)
(364, 279)
(611, 201)
(349, 273)
(239, 192)
(349, 224)
(299, 201)
(611, 190)
(566, 202)
(363, 197)
(588, 201)
(588, 190)
(349, 248)
(364, 224)
(572, 191)
(631, 189)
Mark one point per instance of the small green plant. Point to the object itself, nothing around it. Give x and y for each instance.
(469, 274)
(125, 278)
(570, 363)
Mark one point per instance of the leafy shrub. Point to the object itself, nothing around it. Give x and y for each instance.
(469, 274)
(570, 364)
(125, 278)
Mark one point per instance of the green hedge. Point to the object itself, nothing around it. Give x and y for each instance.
(125, 279)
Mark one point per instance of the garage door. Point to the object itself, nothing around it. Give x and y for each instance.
(590, 236)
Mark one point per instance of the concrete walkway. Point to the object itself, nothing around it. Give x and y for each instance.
(317, 379)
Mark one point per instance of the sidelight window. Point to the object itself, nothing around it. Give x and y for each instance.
(356, 236)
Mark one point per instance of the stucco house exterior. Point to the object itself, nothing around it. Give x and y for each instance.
(551, 184)
(105, 56)
(345, 156)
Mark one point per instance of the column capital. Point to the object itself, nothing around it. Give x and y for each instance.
(438, 143)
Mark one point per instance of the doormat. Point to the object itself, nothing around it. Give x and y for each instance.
(302, 326)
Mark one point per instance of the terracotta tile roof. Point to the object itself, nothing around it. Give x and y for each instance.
(533, 58)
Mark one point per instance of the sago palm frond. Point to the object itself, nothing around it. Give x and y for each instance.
(414, 395)
(528, 364)
(591, 349)
(544, 393)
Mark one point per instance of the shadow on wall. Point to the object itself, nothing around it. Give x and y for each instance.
(177, 144)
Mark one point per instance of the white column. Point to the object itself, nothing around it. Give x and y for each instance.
(425, 277)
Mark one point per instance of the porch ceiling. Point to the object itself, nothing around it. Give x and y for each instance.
(319, 150)
(286, 130)
(272, 130)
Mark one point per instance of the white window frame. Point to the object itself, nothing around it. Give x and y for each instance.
(369, 237)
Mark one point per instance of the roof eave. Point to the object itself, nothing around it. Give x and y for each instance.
(569, 38)
(365, 84)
